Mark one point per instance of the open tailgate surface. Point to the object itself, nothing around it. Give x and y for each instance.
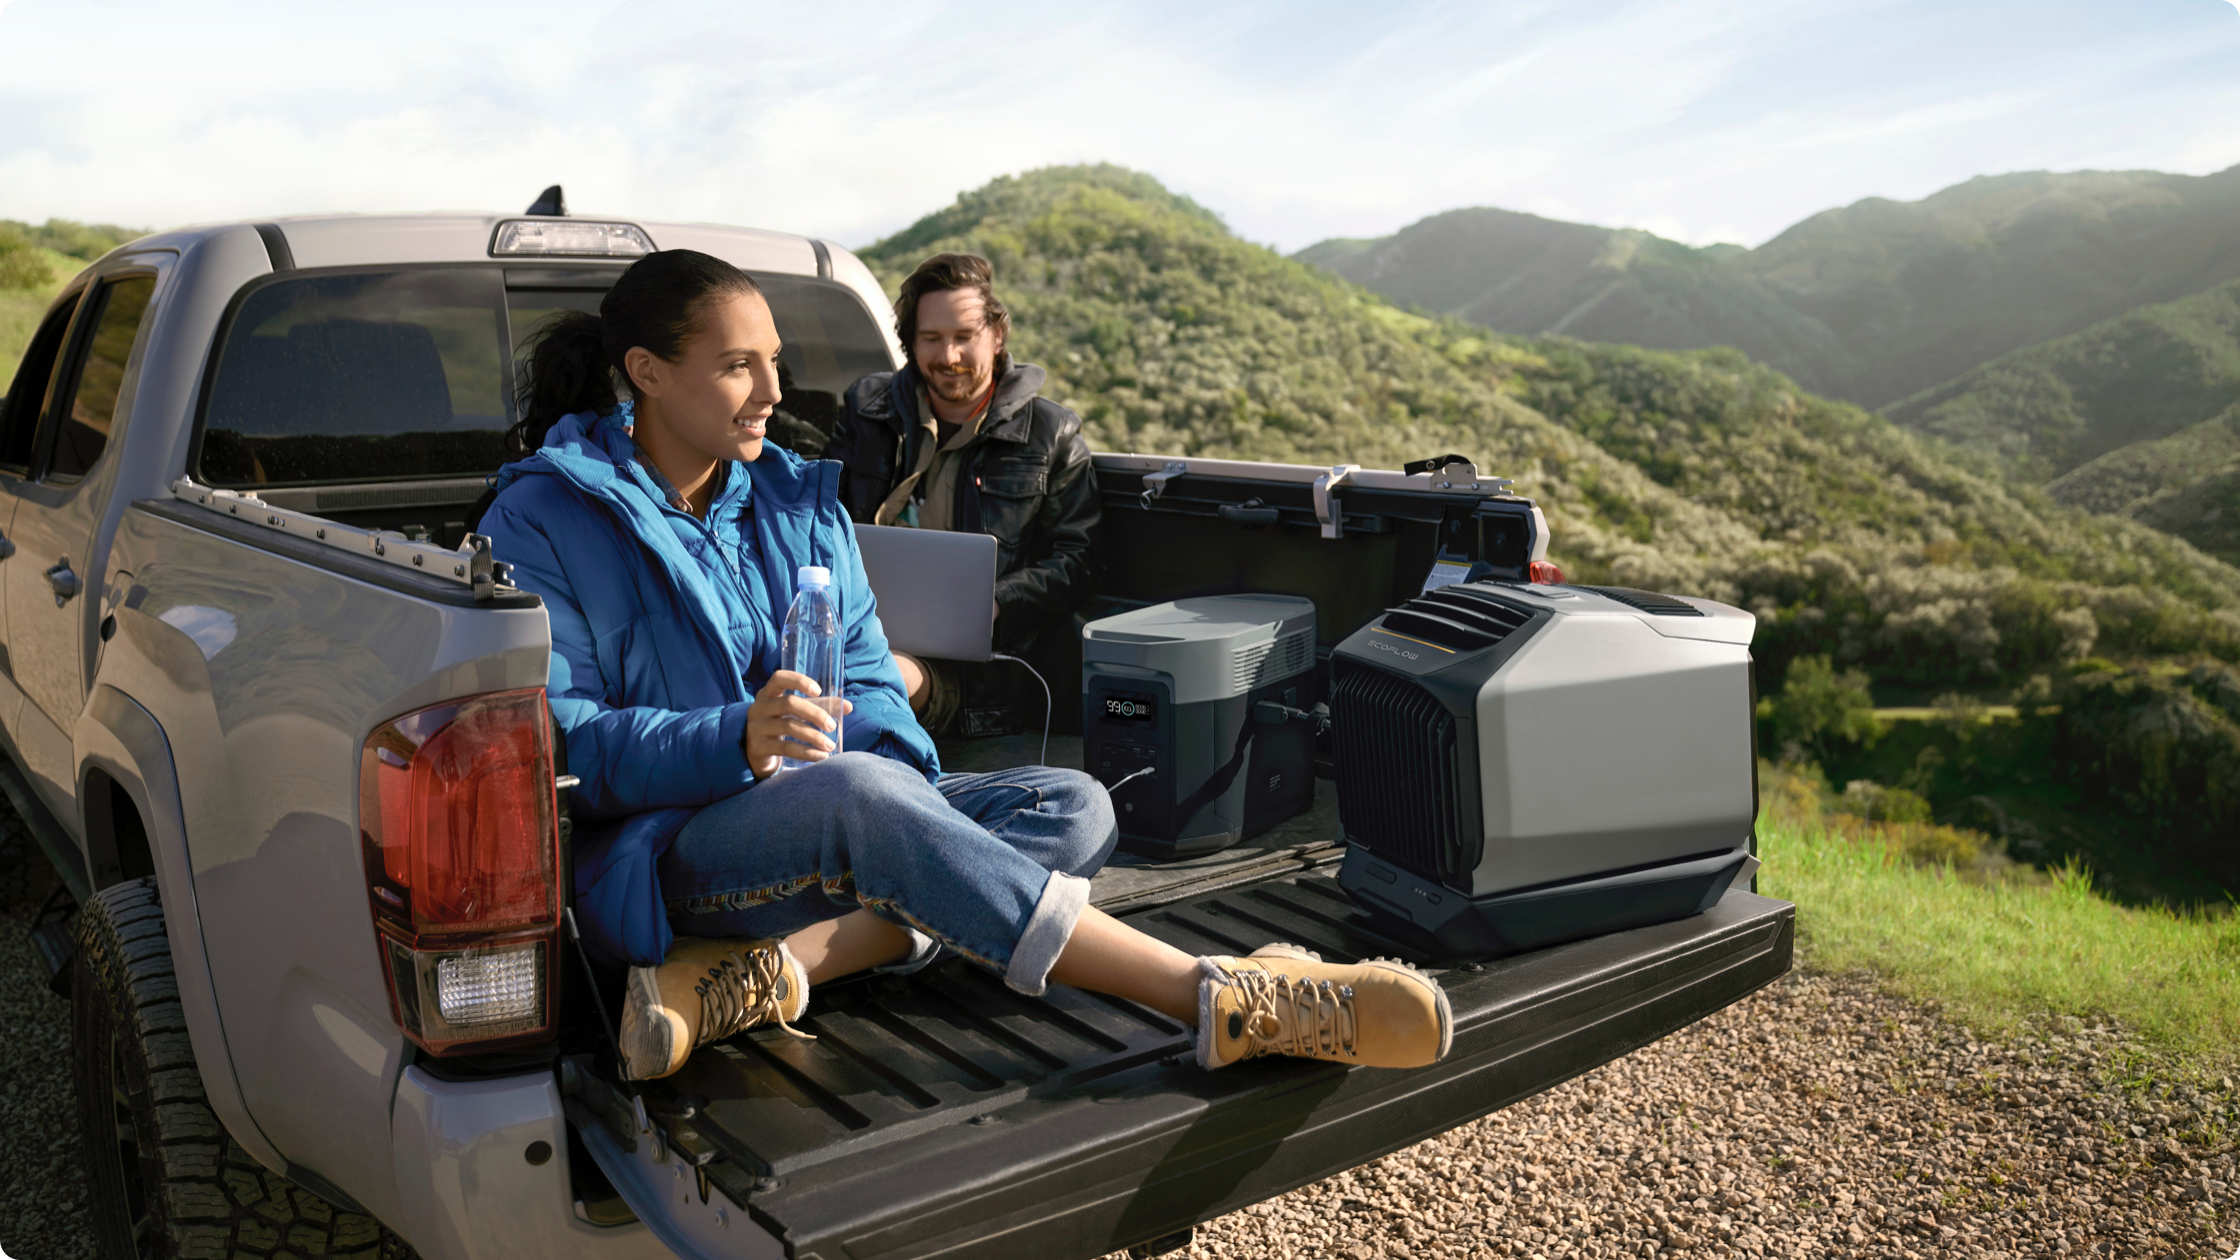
(945, 1115)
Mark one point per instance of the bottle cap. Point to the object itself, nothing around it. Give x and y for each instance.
(813, 575)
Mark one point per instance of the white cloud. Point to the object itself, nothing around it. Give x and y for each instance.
(1708, 120)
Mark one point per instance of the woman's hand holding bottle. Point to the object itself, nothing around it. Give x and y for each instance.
(782, 723)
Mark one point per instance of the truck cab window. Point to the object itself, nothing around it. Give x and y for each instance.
(360, 376)
(19, 416)
(81, 419)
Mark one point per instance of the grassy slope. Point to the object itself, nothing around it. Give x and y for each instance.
(2005, 953)
(2146, 375)
(1699, 471)
(1871, 302)
(66, 247)
(20, 310)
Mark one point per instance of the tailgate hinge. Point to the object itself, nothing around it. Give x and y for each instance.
(484, 572)
(1155, 484)
(1326, 508)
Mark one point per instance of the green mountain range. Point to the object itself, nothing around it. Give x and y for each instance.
(1698, 471)
(2134, 415)
(2145, 375)
(1871, 303)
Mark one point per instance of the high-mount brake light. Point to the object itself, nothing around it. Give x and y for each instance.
(458, 823)
(1545, 573)
(570, 238)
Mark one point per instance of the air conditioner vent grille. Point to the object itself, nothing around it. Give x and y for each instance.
(1457, 618)
(1403, 790)
(1647, 601)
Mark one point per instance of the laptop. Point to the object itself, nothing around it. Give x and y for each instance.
(936, 590)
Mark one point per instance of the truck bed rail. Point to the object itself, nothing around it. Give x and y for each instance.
(471, 566)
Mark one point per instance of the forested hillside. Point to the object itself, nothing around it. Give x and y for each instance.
(1871, 303)
(1700, 472)
(2144, 375)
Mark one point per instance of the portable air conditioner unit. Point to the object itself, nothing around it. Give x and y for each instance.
(1168, 694)
(1520, 765)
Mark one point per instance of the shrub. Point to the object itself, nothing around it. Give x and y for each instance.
(1866, 799)
(22, 266)
(2163, 745)
(1819, 708)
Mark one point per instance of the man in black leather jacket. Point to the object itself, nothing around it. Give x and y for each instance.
(961, 439)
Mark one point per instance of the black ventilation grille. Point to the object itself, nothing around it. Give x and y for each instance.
(1403, 790)
(1458, 618)
(1646, 601)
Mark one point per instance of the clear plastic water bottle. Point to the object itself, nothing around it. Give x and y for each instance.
(812, 647)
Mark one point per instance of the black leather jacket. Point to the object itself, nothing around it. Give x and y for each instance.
(1027, 481)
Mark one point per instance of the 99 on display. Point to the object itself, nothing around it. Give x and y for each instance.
(1127, 708)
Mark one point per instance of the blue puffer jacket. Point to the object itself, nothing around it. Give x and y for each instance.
(663, 629)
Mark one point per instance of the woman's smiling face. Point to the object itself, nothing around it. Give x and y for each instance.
(715, 399)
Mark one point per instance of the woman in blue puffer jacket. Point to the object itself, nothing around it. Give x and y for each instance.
(665, 537)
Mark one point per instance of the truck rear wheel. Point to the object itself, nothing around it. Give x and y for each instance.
(167, 1180)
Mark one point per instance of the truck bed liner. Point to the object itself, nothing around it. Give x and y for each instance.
(944, 1115)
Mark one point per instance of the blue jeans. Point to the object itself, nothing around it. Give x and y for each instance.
(993, 866)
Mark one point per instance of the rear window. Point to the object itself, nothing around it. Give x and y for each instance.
(361, 377)
(408, 375)
(830, 342)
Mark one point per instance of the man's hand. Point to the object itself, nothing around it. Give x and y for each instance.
(780, 724)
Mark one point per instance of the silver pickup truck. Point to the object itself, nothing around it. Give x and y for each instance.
(238, 468)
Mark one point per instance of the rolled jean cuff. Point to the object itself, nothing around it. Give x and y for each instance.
(923, 950)
(1063, 900)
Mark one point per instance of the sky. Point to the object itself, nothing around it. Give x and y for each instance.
(1697, 120)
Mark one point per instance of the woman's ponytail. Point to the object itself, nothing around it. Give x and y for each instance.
(568, 371)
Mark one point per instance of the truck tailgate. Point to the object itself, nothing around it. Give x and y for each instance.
(944, 1115)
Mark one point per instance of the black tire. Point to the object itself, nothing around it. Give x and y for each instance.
(167, 1181)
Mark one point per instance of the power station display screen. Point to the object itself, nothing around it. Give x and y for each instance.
(1128, 708)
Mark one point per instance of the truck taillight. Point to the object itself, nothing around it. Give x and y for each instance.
(457, 819)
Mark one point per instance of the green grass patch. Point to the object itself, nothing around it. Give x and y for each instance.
(2005, 948)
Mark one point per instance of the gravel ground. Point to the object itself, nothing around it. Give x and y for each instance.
(42, 1187)
(1819, 1118)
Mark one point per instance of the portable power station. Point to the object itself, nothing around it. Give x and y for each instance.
(1168, 695)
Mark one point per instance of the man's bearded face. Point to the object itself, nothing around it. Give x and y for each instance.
(955, 349)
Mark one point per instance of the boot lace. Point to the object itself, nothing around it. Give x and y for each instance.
(1303, 1018)
(741, 992)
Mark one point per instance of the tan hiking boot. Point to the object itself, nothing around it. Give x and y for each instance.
(704, 992)
(1286, 1000)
